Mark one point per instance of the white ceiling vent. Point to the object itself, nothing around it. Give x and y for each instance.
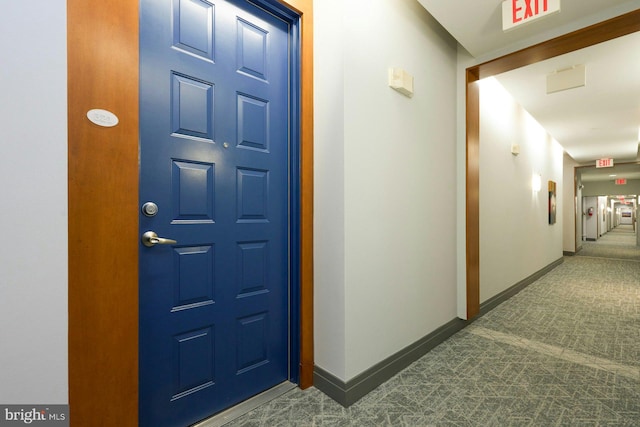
(568, 78)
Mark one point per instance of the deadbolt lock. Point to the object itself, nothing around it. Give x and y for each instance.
(150, 209)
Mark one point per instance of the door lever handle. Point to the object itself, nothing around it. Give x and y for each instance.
(150, 238)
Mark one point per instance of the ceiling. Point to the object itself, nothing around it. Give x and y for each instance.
(599, 120)
(477, 24)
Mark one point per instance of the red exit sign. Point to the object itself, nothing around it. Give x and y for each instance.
(518, 12)
(604, 163)
(621, 181)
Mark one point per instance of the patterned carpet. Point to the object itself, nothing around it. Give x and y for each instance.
(563, 352)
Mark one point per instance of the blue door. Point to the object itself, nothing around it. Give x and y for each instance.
(214, 196)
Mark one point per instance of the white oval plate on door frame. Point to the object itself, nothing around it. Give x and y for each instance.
(102, 118)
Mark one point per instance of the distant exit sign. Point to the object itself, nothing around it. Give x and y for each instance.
(621, 181)
(604, 163)
(518, 12)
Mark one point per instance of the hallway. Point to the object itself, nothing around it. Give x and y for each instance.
(565, 351)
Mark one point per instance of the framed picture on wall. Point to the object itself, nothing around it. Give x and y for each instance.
(552, 202)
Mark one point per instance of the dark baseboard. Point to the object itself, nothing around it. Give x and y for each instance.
(569, 253)
(347, 393)
(495, 301)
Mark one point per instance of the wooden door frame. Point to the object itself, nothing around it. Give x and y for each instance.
(607, 30)
(103, 72)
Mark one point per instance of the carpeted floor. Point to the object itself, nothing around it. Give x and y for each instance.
(618, 243)
(565, 351)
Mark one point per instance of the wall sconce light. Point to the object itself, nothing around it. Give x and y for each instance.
(536, 182)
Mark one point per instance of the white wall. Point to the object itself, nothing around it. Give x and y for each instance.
(385, 182)
(329, 165)
(602, 215)
(635, 221)
(516, 239)
(579, 213)
(33, 190)
(590, 222)
(569, 203)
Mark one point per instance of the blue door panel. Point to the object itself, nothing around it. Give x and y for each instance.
(192, 104)
(192, 191)
(193, 281)
(193, 27)
(214, 157)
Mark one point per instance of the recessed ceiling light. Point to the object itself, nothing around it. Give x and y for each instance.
(613, 175)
